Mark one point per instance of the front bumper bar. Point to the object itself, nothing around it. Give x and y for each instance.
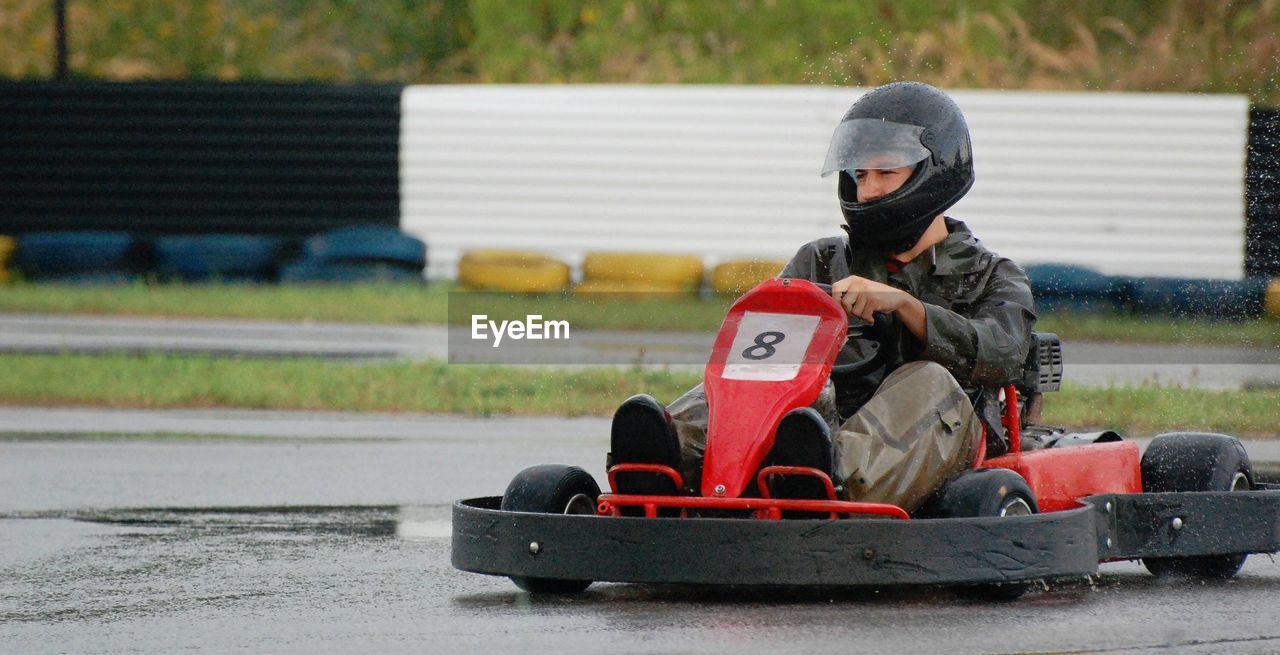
(862, 552)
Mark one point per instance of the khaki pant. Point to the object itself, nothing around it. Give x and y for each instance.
(916, 431)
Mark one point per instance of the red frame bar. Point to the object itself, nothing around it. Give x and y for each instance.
(644, 468)
(981, 455)
(1012, 419)
(767, 471)
(765, 508)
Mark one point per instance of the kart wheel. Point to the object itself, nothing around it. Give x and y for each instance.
(551, 489)
(985, 492)
(1196, 461)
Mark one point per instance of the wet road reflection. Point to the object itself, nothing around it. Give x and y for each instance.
(372, 578)
(115, 547)
(353, 521)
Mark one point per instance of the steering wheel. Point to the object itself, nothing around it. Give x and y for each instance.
(877, 335)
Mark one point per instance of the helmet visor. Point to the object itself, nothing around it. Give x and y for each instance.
(873, 143)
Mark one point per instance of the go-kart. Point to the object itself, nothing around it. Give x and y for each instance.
(1189, 506)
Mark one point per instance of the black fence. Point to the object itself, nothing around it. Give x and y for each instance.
(1262, 194)
(197, 157)
(288, 159)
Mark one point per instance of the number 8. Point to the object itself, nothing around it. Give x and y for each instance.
(767, 346)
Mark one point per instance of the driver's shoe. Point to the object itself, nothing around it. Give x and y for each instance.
(642, 434)
(803, 439)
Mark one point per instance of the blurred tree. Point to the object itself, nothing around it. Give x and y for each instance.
(1151, 45)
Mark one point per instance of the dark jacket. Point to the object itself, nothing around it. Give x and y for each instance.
(978, 309)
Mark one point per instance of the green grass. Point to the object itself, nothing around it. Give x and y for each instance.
(634, 311)
(382, 304)
(434, 304)
(388, 304)
(1261, 332)
(435, 387)
(1205, 46)
(1145, 411)
(167, 381)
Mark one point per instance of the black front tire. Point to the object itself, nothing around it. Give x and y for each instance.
(551, 489)
(1196, 461)
(984, 492)
(981, 492)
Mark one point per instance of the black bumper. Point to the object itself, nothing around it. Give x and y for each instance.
(855, 552)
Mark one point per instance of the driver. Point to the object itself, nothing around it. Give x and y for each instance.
(957, 326)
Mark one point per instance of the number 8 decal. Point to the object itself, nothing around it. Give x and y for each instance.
(767, 346)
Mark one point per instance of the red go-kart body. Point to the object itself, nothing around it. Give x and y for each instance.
(774, 353)
(1190, 505)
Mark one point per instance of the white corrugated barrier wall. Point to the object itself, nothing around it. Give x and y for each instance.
(1128, 183)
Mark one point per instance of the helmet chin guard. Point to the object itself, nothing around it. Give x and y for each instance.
(875, 224)
(891, 126)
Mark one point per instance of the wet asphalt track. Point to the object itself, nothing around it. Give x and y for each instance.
(311, 542)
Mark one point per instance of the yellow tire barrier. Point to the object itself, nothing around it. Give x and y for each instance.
(6, 250)
(620, 287)
(1273, 298)
(512, 270)
(741, 275)
(669, 271)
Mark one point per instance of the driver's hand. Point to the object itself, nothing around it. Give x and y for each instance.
(863, 298)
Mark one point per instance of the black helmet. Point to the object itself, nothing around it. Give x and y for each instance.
(896, 125)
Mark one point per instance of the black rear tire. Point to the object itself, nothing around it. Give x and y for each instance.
(551, 489)
(984, 492)
(1196, 461)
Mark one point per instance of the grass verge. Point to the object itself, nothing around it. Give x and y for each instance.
(436, 387)
(156, 381)
(368, 303)
(1263, 332)
(1147, 410)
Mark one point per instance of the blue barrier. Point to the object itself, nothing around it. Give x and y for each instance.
(42, 255)
(1078, 288)
(366, 244)
(217, 257)
(1199, 298)
(320, 271)
(93, 278)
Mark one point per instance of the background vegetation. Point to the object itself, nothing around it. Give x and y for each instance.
(1131, 45)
